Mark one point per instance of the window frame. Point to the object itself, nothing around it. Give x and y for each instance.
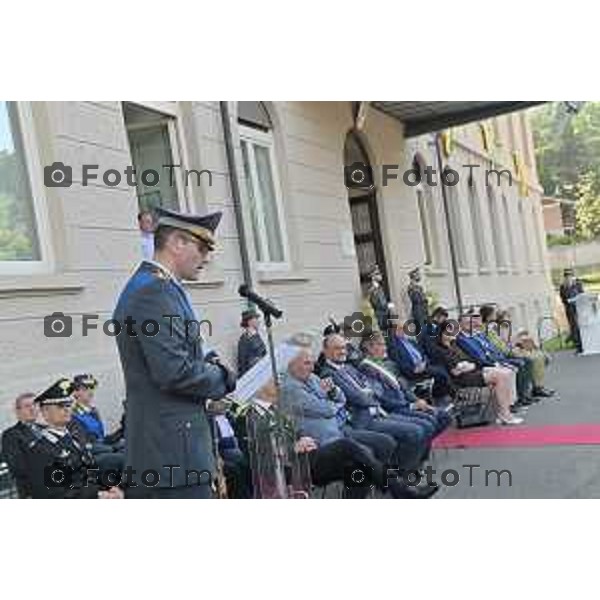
(252, 136)
(34, 170)
(170, 116)
(476, 214)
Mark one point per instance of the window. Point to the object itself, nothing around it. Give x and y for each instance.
(428, 219)
(477, 222)
(526, 249)
(538, 237)
(496, 228)
(262, 185)
(456, 226)
(20, 194)
(509, 232)
(153, 144)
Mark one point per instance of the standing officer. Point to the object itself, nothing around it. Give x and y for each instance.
(569, 290)
(57, 465)
(16, 440)
(418, 298)
(168, 377)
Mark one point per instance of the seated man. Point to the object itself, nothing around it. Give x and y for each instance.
(55, 453)
(365, 410)
(87, 426)
(489, 328)
(525, 346)
(332, 454)
(413, 364)
(483, 353)
(393, 397)
(16, 440)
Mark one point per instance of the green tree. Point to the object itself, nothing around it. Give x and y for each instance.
(568, 158)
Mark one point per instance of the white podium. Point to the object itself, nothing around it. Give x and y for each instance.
(588, 317)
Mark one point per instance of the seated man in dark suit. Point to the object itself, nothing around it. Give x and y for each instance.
(337, 448)
(393, 396)
(366, 412)
(413, 364)
(16, 440)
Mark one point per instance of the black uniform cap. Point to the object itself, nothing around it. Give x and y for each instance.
(58, 393)
(201, 226)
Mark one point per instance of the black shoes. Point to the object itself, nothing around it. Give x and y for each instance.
(542, 392)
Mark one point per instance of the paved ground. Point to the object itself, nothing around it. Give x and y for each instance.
(550, 472)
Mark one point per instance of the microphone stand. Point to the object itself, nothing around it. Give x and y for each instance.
(271, 345)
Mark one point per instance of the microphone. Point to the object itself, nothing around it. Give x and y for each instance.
(265, 305)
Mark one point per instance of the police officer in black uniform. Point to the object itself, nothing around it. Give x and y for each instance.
(58, 466)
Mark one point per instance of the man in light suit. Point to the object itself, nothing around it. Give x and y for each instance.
(168, 377)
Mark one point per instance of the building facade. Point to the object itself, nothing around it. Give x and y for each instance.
(310, 241)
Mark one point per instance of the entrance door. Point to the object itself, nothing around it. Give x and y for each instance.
(365, 219)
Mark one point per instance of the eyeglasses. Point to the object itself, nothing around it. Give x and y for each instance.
(202, 246)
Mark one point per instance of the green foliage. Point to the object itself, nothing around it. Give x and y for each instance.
(568, 157)
(563, 240)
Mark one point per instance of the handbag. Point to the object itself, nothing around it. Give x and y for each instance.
(474, 406)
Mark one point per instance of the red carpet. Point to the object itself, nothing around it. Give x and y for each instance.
(520, 436)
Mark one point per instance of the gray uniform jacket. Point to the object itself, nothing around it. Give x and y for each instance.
(167, 381)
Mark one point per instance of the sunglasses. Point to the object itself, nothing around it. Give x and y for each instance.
(59, 404)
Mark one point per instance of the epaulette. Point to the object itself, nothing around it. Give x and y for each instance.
(160, 274)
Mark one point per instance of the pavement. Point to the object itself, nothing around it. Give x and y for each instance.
(546, 472)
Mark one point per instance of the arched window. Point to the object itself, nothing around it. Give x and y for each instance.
(508, 227)
(477, 223)
(496, 224)
(523, 217)
(262, 185)
(427, 217)
(456, 225)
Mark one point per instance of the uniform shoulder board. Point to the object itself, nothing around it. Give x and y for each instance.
(160, 274)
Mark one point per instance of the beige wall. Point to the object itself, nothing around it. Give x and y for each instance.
(524, 283)
(93, 234)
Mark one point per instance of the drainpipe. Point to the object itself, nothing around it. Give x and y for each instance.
(235, 192)
(451, 246)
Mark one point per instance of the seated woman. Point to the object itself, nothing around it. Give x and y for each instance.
(466, 373)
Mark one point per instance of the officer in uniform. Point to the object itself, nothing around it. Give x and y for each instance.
(58, 466)
(418, 299)
(251, 347)
(168, 376)
(569, 290)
